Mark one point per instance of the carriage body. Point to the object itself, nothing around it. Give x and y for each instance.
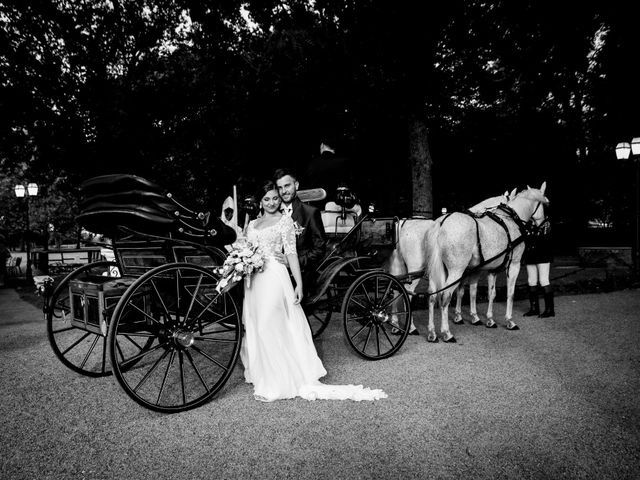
(152, 316)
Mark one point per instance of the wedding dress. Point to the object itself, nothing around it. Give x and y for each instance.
(278, 353)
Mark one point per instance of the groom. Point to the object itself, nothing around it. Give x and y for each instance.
(311, 240)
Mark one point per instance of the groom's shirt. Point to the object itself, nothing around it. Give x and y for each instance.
(287, 209)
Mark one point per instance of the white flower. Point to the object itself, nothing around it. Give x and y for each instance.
(297, 229)
(244, 259)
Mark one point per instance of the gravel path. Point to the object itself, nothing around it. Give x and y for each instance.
(556, 399)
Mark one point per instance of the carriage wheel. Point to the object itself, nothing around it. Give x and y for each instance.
(320, 313)
(80, 350)
(377, 315)
(195, 337)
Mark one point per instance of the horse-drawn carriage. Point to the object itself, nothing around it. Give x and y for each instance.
(154, 318)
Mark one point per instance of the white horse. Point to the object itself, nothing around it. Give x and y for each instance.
(473, 279)
(459, 242)
(409, 256)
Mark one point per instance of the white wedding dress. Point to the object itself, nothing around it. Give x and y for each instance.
(278, 353)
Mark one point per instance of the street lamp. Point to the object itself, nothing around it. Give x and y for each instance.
(31, 191)
(624, 150)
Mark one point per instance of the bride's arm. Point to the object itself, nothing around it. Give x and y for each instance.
(289, 247)
(294, 265)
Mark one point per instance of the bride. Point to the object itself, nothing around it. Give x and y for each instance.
(278, 353)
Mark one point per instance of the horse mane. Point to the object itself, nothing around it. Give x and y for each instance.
(533, 194)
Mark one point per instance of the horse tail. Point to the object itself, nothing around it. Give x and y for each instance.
(434, 267)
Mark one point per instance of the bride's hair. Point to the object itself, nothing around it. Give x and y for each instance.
(265, 187)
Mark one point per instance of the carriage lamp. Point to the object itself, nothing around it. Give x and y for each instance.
(31, 190)
(624, 150)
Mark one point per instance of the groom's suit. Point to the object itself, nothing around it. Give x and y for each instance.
(311, 242)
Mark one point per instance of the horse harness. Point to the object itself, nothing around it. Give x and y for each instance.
(511, 244)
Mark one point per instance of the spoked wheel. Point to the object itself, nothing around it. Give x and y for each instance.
(377, 315)
(319, 314)
(173, 340)
(80, 350)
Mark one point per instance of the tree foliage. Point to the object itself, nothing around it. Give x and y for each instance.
(201, 95)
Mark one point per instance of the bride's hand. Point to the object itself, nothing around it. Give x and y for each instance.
(282, 258)
(297, 294)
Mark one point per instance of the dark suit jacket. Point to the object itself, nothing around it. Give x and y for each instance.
(311, 243)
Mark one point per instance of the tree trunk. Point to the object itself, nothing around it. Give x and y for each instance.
(421, 164)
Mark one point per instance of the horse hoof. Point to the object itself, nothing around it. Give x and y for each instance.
(432, 338)
(458, 321)
(512, 326)
(414, 332)
(475, 323)
(491, 324)
(449, 339)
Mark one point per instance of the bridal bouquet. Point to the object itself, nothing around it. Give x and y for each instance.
(244, 259)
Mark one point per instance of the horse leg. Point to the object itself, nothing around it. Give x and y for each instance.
(458, 311)
(431, 334)
(412, 291)
(473, 295)
(491, 293)
(447, 336)
(512, 276)
(397, 267)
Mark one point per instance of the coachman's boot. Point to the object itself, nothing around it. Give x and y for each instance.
(549, 310)
(534, 306)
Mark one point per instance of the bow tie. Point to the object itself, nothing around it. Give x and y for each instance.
(287, 210)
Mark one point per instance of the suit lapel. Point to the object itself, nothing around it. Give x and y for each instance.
(296, 212)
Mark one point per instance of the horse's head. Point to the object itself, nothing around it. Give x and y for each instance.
(530, 203)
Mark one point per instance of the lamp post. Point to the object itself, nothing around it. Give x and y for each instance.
(22, 192)
(624, 150)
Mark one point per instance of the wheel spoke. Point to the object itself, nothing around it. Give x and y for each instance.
(208, 309)
(177, 277)
(384, 330)
(151, 370)
(164, 307)
(359, 304)
(145, 313)
(389, 302)
(86, 357)
(128, 337)
(166, 374)
(384, 295)
(204, 384)
(204, 354)
(143, 354)
(193, 299)
(366, 341)
(214, 340)
(181, 363)
(366, 293)
(74, 344)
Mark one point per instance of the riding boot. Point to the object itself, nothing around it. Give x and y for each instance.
(549, 310)
(534, 305)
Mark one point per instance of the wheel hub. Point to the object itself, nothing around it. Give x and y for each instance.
(183, 339)
(380, 316)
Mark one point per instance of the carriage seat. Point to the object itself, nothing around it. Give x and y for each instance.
(332, 219)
